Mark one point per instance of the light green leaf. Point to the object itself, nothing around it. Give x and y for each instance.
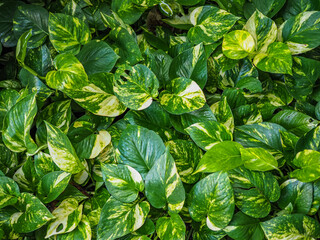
(17, 124)
(238, 44)
(207, 134)
(140, 148)
(254, 191)
(136, 88)
(122, 181)
(8, 98)
(222, 156)
(43, 164)
(62, 151)
(295, 226)
(301, 33)
(310, 140)
(68, 33)
(210, 24)
(32, 214)
(118, 219)
(262, 29)
(192, 64)
(26, 176)
(277, 59)
(66, 217)
(223, 113)
(171, 227)
(82, 232)
(212, 199)
(52, 185)
(258, 159)
(182, 96)
(9, 191)
(97, 57)
(163, 184)
(308, 162)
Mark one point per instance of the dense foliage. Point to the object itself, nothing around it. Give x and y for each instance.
(150, 119)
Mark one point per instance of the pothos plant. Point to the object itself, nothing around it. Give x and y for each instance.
(155, 119)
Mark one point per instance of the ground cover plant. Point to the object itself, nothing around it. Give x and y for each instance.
(170, 120)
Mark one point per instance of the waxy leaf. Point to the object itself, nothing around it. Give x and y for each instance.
(171, 227)
(9, 191)
(258, 159)
(82, 232)
(308, 162)
(311, 140)
(122, 181)
(222, 156)
(118, 219)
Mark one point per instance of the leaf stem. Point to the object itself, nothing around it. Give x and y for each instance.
(32, 72)
(280, 172)
(189, 234)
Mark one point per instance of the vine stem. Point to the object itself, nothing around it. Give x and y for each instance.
(280, 172)
(189, 234)
(33, 72)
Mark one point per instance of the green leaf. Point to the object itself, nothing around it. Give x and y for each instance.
(310, 140)
(171, 227)
(118, 219)
(26, 176)
(52, 185)
(295, 122)
(43, 164)
(222, 156)
(207, 134)
(82, 232)
(269, 8)
(122, 181)
(293, 7)
(127, 10)
(192, 64)
(223, 113)
(277, 59)
(33, 17)
(68, 33)
(212, 199)
(308, 163)
(258, 159)
(244, 227)
(136, 88)
(8, 98)
(140, 148)
(32, 214)
(97, 57)
(182, 96)
(9, 192)
(210, 24)
(17, 125)
(301, 32)
(62, 151)
(295, 226)
(21, 50)
(66, 217)
(254, 191)
(163, 184)
(238, 44)
(262, 29)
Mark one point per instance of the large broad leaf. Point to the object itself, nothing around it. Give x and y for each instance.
(295, 122)
(140, 148)
(238, 44)
(222, 156)
(163, 184)
(97, 57)
(207, 134)
(308, 162)
(186, 156)
(310, 140)
(301, 33)
(129, 10)
(191, 63)
(269, 8)
(118, 219)
(293, 8)
(122, 181)
(94, 93)
(244, 227)
(301, 83)
(182, 96)
(258, 159)
(171, 227)
(32, 214)
(66, 217)
(62, 151)
(136, 88)
(52, 185)
(295, 226)
(31, 17)
(277, 59)
(298, 194)
(212, 199)
(43, 164)
(9, 191)
(67, 33)
(210, 24)
(17, 125)
(262, 29)
(254, 191)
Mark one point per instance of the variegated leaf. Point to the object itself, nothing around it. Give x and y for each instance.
(171, 227)
(82, 232)
(43, 164)
(8, 98)
(223, 113)
(9, 191)
(308, 163)
(26, 176)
